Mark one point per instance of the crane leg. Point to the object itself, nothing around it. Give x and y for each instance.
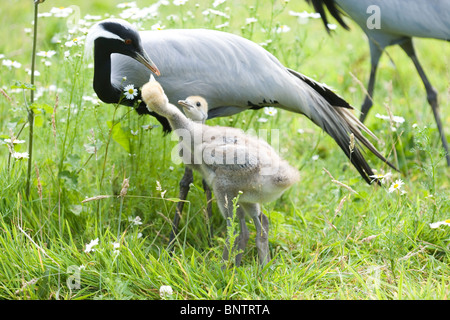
(226, 208)
(431, 93)
(208, 193)
(185, 182)
(242, 239)
(375, 54)
(262, 231)
(244, 235)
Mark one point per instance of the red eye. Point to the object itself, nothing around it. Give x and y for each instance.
(128, 41)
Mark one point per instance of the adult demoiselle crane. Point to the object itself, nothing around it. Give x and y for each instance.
(232, 73)
(399, 21)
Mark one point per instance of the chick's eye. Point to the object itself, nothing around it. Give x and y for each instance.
(128, 41)
(198, 104)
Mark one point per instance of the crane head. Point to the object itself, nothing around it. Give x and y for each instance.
(195, 108)
(118, 36)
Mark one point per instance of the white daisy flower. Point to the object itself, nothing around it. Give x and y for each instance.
(116, 246)
(262, 120)
(179, 2)
(71, 43)
(90, 245)
(396, 119)
(383, 178)
(283, 28)
(331, 26)
(435, 225)
(304, 14)
(215, 12)
(218, 2)
(127, 5)
(270, 111)
(36, 72)
(47, 54)
(250, 20)
(44, 14)
(9, 63)
(91, 17)
(136, 221)
(130, 92)
(165, 291)
(157, 26)
(223, 25)
(266, 43)
(15, 141)
(61, 12)
(20, 155)
(396, 186)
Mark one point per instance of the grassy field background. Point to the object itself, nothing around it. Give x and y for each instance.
(326, 242)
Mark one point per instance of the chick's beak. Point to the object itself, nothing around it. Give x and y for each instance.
(185, 104)
(146, 61)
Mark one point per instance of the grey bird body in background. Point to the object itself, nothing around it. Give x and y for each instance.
(400, 21)
(232, 73)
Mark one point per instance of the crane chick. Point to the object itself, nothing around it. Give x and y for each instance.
(232, 163)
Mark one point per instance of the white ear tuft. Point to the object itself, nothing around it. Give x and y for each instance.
(97, 31)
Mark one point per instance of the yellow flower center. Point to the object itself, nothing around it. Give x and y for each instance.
(130, 91)
(396, 185)
(447, 221)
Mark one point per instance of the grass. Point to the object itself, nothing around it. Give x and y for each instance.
(326, 241)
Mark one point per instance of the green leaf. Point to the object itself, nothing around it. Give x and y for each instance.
(76, 209)
(39, 107)
(73, 160)
(120, 136)
(38, 121)
(70, 178)
(23, 85)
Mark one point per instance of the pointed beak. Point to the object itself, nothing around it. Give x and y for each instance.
(185, 104)
(146, 61)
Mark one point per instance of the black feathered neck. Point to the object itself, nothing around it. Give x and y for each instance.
(142, 109)
(108, 92)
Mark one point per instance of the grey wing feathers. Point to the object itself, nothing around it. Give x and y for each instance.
(336, 119)
(230, 157)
